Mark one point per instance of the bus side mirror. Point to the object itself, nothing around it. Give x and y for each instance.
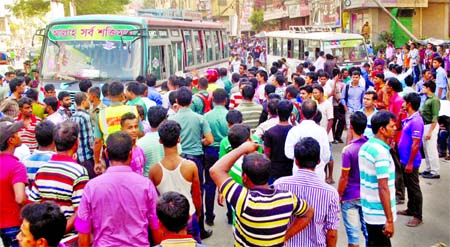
(39, 32)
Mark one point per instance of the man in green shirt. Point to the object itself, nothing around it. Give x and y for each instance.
(430, 114)
(249, 109)
(201, 97)
(219, 128)
(132, 94)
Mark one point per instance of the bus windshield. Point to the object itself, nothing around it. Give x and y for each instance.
(95, 52)
(346, 50)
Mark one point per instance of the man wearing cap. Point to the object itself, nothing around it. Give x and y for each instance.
(13, 178)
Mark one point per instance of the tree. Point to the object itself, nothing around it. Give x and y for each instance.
(32, 8)
(257, 19)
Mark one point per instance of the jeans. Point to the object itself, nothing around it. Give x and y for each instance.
(9, 236)
(399, 183)
(431, 152)
(211, 156)
(414, 193)
(198, 160)
(338, 122)
(353, 217)
(376, 238)
(193, 228)
(444, 141)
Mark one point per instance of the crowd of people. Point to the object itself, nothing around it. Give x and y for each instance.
(129, 164)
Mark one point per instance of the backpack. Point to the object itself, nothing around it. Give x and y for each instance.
(207, 102)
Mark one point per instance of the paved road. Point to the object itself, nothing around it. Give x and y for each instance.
(436, 214)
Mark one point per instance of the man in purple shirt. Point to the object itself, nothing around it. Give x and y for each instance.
(119, 206)
(410, 157)
(349, 183)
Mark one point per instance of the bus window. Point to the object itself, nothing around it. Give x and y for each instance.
(296, 49)
(199, 48)
(284, 48)
(170, 59)
(189, 56)
(178, 51)
(277, 47)
(156, 62)
(301, 45)
(313, 46)
(290, 46)
(216, 44)
(269, 45)
(209, 48)
(223, 44)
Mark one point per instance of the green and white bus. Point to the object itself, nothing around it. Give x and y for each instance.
(349, 48)
(105, 48)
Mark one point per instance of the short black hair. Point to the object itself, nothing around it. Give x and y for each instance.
(381, 119)
(52, 102)
(32, 94)
(263, 74)
(380, 75)
(323, 74)
(63, 94)
(151, 80)
(312, 75)
(45, 221)
(235, 77)
(44, 133)
(234, 117)
(223, 72)
(85, 85)
(27, 80)
(248, 92)
(142, 89)
(373, 93)
(115, 89)
(299, 81)
(243, 66)
(127, 116)
(133, 86)
(140, 79)
(307, 152)
(409, 81)
(65, 135)
(272, 106)
(269, 88)
(184, 96)
(25, 101)
(318, 87)
(431, 85)
(238, 134)
(220, 96)
(356, 72)
(169, 132)
(254, 82)
(358, 121)
(292, 91)
(202, 83)
(284, 109)
(414, 99)
(95, 91)
(172, 97)
(15, 82)
(156, 115)
(172, 210)
(257, 167)
(309, 108)
(279, 78)
(80, 97)
(49, 87)
(395, 84)
(118, 146)
(307, 88)
(438, 59)
(273, 70)
(105, 90)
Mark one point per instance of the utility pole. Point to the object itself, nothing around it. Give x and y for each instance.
(412, 36)
(238, 13)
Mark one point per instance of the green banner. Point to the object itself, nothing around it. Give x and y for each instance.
(342, 43)
(69, 32)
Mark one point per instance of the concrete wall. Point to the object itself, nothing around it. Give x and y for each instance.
(435, 21)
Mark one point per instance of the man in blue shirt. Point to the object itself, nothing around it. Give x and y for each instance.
(441, 78)
(410, 157)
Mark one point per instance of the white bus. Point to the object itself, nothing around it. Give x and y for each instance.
(349, 49)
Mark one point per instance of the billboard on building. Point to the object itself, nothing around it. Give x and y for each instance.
(353, 4)
(325, 12)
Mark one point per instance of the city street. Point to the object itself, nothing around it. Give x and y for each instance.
(436, 214)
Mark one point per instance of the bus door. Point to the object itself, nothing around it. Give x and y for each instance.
(177, 54)
(159, 64)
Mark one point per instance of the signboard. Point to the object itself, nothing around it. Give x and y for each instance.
(341, 43)
(176, 14)
(273, 13)
(352, 4)
(325, 12)
(113, 32)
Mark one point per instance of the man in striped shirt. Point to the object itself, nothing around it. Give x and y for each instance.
(308, 186)
(62, 179)
(377, 172)
(85, 152)
(249, 109)
(27, 133)
(262, 212)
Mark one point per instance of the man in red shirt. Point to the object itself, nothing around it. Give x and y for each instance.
(28, 134)
(13, 178)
